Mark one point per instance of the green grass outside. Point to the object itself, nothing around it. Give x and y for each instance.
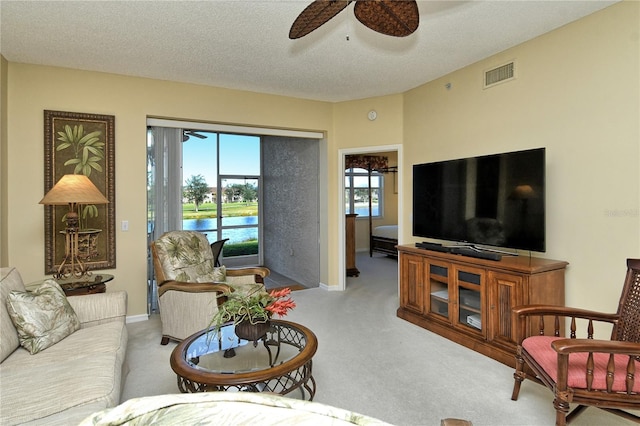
(241, 249)
(209, 210)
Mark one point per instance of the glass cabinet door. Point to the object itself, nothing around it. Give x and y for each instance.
(469, 285)
(439, 290)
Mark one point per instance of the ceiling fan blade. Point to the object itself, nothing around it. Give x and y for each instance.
(186, 134)
(315, 15)
(394, 18)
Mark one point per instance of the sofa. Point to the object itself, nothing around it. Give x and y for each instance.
(226, 408)
(72, 378)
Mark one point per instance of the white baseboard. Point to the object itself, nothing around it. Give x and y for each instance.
(137, 318)
(329, 287)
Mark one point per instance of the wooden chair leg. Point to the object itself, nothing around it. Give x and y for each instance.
(562, 408)
(518, 376)
(164, 340)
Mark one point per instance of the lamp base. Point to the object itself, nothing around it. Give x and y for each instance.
(71, 265)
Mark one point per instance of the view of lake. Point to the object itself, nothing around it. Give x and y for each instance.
(236, 235)
(363, 210)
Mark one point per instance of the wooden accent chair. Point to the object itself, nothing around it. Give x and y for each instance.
(190, 286)
(584, 371)
(216, 250)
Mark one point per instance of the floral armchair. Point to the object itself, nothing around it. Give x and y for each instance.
(189, 283)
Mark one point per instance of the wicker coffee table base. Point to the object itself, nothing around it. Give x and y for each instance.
(281, 362)
(300, 379)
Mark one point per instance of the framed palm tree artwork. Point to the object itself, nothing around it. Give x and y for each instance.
(80, 144)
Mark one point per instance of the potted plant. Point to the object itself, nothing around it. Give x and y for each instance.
(251, 311)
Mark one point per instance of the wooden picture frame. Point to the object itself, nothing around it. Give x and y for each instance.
(66, 152)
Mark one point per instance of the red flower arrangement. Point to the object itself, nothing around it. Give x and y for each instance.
(279, 305)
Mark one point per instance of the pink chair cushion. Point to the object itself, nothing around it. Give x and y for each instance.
(539, 347)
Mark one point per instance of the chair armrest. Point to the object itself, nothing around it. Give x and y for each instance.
(259, 272)
(549, 317)
(563, 311)
(94, 309)
(567, 346)
(256, 270)
(192, 287)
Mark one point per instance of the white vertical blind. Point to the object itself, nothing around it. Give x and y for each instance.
(166, 149)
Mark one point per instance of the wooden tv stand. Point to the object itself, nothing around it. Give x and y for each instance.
(469, 300)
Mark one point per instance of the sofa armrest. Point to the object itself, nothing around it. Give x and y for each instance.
(95, 309)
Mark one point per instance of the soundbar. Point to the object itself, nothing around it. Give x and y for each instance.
(433, 246)
(465, 251)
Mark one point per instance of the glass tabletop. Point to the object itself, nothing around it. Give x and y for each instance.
(225, 353)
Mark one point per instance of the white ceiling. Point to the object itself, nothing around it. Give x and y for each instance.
(241, 44)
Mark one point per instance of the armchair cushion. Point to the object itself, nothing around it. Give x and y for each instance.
(217, 275)
(539, 348)
(186, 256)
(42, 317)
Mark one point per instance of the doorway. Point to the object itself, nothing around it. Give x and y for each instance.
(393, 181)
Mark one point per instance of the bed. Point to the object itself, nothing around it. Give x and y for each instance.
(384, 239)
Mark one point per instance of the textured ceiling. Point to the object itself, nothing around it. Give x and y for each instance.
(241, 44)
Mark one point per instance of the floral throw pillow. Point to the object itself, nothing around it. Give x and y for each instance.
(42, 317)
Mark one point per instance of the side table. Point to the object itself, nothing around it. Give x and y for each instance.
(80, 286)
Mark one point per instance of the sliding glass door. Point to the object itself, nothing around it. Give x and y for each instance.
(224, 171)
(208, 182)
(258, 187)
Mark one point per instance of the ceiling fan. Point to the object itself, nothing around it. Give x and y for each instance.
(398, 18)
(186, 134)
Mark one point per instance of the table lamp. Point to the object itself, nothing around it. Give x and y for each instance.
(72, 190)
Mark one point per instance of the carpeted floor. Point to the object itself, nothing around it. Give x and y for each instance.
(371, 362)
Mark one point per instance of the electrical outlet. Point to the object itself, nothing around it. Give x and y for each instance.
(125, 225)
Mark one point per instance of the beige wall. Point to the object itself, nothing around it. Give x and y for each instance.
(577, 93)
(4, 220)
(36, 88)
(353, 130)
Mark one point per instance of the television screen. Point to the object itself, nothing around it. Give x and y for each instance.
(493, 200)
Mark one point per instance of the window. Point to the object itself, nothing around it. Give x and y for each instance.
(356, 192)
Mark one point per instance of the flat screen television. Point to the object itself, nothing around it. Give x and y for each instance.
(493, 200)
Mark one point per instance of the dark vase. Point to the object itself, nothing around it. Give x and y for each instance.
(252, 332)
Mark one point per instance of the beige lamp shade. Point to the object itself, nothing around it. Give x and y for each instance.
(76, 189)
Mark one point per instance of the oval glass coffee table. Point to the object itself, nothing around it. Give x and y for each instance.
(280, 362)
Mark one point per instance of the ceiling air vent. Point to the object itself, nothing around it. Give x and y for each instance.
(500, 74)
